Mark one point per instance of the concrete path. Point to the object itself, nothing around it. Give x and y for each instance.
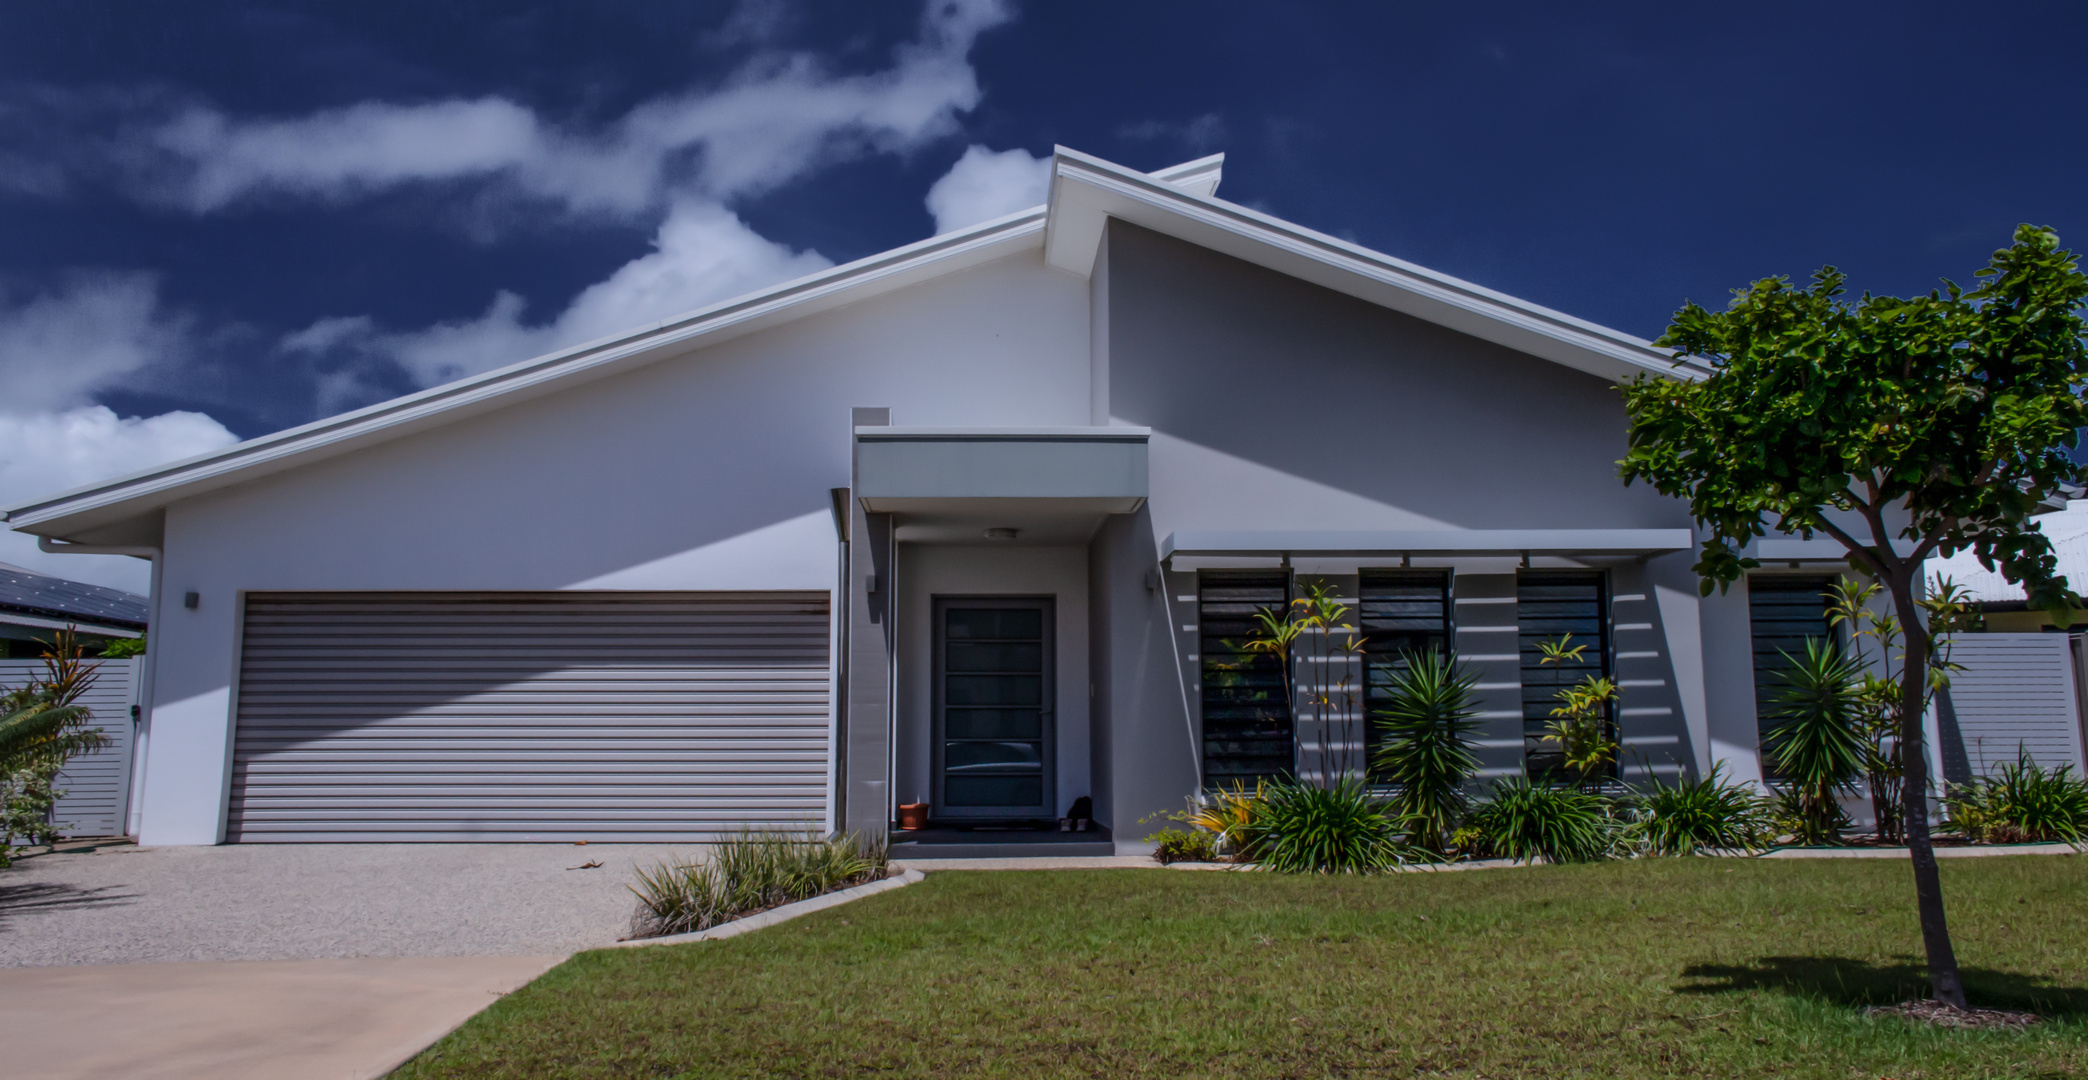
(121, 904)
(326, 961)
(265, 1020)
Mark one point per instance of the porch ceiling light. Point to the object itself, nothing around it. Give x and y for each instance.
(1002, 532)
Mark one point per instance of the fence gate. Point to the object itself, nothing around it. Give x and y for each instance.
(96, 785)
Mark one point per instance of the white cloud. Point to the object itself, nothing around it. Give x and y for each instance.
(984, 185)
(1202, 133)
(58, 348)
(702, 253)
(42, 453)
(764, 126)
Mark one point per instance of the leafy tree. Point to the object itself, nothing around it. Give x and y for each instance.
(123, 648)
(1940, 420)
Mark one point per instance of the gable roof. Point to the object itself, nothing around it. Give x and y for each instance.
(1085, 191)
(26, 592)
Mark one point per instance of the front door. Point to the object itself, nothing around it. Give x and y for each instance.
(993, 699)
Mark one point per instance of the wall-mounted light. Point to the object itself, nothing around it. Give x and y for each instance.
(1002, 533)
(189, 600)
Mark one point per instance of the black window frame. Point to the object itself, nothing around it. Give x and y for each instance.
(1777, 595)
(1251, 721)
(1390, 622)
(1541, 681)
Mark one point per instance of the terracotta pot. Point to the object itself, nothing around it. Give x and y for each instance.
(913, 816)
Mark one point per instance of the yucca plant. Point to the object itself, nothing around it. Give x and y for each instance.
(1705, 814)
(2022, 803)
(1427, 749)
(1305, 829)
(1815, 736)
(746, 874)
(1524, 821)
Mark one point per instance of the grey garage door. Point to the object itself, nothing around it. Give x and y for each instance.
(529, 716)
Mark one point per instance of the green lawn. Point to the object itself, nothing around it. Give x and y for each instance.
(1672, 967)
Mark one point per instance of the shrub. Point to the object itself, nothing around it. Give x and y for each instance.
(1184, 845)
(1815, 738)
(1523, 821)
(1225, 814)
(1581, 725)
(1806, 823)
(1298, 828)
(1427, 752)
(751, 872)
(2022, 803)
(41, 726)
(1707, 813)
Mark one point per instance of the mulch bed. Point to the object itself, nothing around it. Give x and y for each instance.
(1940, 1015)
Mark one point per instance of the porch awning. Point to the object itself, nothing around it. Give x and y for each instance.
(1090, 469)
(1315, 544)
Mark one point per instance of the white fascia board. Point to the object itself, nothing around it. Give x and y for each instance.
(1087, 191)
(1199, 177)
(1125, 433)
(76, 622)
(1821, 548)
(114, 500)
(1331, 542)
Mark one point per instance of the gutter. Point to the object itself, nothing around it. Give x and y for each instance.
(141, 735)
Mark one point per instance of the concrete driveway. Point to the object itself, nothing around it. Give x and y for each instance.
(337, 960)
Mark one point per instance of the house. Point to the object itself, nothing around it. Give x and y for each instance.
(2021, 684)
(976, 523)
(34, 607)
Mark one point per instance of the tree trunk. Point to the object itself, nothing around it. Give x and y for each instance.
(1928, 885)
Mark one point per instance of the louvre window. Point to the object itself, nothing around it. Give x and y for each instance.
(1784, 612)
(1401, 612)
(1246, 721)
(1549, 605)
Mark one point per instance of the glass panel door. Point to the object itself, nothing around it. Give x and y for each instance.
(993, 709)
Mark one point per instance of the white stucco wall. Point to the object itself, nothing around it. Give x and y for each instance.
(709, 471)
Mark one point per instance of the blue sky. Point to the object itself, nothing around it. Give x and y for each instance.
(219, 220)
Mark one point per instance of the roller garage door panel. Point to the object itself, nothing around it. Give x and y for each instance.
(529, 716)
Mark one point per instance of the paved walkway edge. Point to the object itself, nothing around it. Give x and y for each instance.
(779, 914)
(1975, 852)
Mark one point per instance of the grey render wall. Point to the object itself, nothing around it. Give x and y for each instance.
(1141, 711)
(1279, 399)
(1276, 404)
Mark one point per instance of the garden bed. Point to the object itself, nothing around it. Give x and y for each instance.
(1667, 967)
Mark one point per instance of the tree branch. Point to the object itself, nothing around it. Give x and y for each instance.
(1869, 557)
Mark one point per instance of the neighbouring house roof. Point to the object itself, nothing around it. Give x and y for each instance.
(2068, 532)
(1085, 192)
(44, 598)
